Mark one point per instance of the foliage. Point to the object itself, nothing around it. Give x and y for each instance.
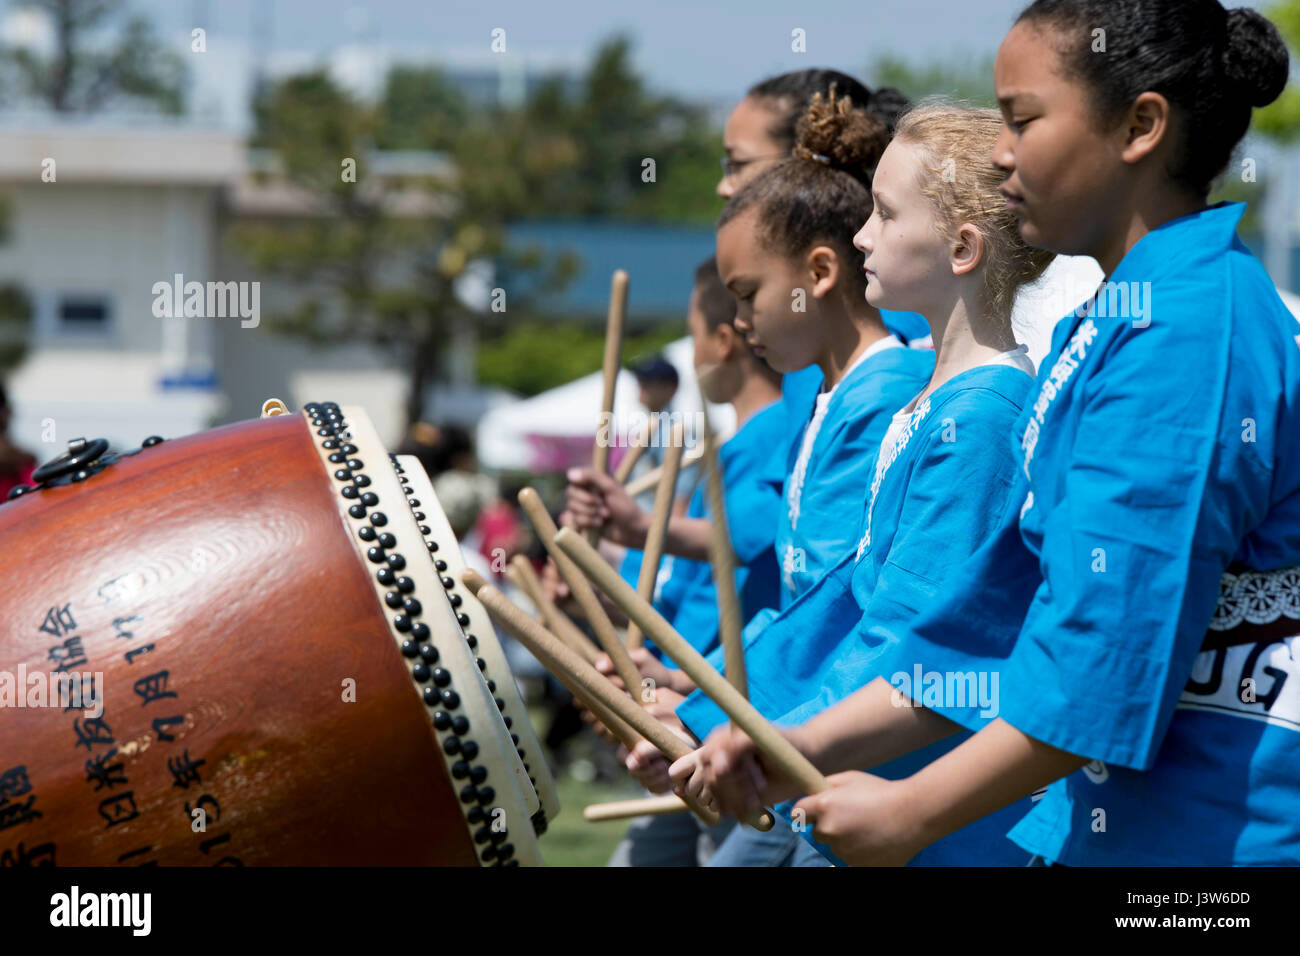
(1280, 120)
(101, 57)
(531, 357)
(15, 317)
(575, 148)
(615, 125)
(419, 109)
(572, 149)
(368, 273)
(967, 80)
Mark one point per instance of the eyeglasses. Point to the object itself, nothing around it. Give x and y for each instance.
(730, 167)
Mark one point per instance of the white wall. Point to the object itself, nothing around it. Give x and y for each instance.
(114, 241)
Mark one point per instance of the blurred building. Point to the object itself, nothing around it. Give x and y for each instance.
(102, 212)
(106, 211)
(661, 261)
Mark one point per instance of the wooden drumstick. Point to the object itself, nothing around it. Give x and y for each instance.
(532, 589)
(533, 507)
(723, 559)
(613, 360)
(591, 688)
(628, 737)
(511, 574)
(765, 736)
(633, 455)
(616, 725)
(640, 807)
(653, 554)
(556, 620)
(651, 478)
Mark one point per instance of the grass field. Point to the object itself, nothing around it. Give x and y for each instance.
(569, 839)
(572, 841)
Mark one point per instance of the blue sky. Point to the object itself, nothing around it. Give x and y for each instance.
(691, 47)
(700, 50)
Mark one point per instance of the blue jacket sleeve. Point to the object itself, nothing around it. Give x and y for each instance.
(1130, 565)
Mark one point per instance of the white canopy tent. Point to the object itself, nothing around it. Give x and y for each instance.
(553, 430)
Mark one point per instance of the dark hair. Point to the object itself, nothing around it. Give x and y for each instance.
(1212, 65)
(439, 454)
(822, 194)
(790, 93)
(655, 370)
(715, 302)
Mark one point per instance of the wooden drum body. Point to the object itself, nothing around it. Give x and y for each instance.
(284, 679)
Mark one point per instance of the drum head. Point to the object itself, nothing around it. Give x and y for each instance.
(449, 562)
(496, 793)
(268, 669)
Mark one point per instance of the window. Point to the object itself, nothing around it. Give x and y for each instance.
(82, 314)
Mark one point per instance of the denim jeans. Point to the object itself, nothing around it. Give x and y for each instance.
(673, 839)
(780, 846)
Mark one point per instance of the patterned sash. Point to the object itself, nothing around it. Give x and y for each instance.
(1248, 666)
(1255, 607)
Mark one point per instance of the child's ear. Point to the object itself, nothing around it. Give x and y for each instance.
(1147, 125)
(823, 270)
(967, 249)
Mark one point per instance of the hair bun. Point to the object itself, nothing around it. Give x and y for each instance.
(834, 132)
(1255, 60)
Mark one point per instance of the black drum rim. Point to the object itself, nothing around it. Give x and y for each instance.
(71, 461)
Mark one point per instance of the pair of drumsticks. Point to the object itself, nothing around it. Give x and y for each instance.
(565, 650)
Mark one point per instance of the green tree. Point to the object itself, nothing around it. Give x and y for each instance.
(419, 109)
(15, 308)
(967, 80)
(15, 319)
(366, 272)
(102, 56)
(531, 357)
(613, 124)
(574, 149)
(1280, 120)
